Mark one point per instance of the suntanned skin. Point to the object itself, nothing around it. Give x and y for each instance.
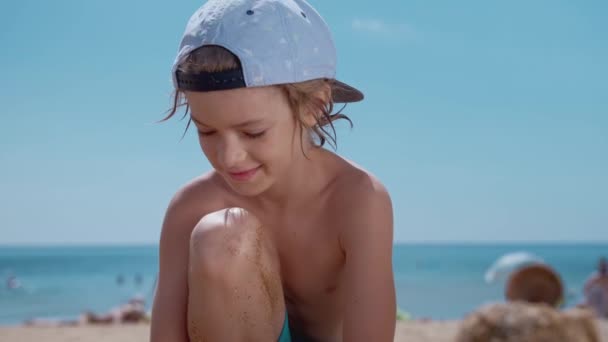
(310, 234)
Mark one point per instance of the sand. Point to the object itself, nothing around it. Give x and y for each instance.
(413, 331)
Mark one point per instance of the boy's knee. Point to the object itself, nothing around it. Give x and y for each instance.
(224, 237)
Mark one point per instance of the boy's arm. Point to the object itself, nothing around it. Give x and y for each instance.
(370, 308)
(169, 310)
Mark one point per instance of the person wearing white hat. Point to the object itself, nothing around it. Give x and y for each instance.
(283, 240)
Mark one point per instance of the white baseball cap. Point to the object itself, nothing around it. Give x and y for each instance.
(276, 42)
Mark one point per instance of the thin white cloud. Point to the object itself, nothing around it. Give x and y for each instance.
(371, 25)
(380, 27)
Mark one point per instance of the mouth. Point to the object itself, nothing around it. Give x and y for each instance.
(245, 175)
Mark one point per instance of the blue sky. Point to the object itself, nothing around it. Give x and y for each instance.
(487, 121)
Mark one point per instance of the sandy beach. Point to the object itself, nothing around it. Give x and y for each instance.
(413, 331)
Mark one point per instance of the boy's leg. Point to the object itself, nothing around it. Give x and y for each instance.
(235, 291)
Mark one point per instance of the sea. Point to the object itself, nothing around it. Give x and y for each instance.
(435, 281)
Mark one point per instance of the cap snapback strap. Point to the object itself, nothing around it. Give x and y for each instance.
(210, 81)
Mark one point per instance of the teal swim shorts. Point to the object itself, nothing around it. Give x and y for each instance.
(285, 333)
(291, 336)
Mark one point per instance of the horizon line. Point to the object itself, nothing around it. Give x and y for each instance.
(396, 243)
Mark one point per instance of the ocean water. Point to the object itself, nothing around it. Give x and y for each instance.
(441, 281)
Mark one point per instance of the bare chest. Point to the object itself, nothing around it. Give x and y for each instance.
(311, 264)
(311, 259)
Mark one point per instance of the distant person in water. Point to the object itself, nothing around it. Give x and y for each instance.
(12, 283)
(138, 280)
(596, 289)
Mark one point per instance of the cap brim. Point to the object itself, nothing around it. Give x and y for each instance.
(343, 93)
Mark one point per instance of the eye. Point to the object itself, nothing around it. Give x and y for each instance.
(254, 135)
(205, 134)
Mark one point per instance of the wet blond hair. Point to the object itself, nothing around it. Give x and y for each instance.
(303, 97)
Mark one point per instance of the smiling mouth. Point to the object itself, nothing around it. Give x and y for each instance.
(244, 175)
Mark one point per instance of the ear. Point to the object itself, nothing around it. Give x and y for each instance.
(313, 111)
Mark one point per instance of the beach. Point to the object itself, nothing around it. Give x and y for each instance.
(410, 331)
(436, 287)
(406, 331)
(62, 282)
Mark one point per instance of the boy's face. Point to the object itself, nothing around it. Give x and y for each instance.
(249, 135)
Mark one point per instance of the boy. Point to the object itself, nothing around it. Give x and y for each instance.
(283, 240)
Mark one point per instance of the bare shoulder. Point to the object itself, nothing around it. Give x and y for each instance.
(355, 186)
(194, 199)
(201, 186)
(361, 203)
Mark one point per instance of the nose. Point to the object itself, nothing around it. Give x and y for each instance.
(231, 152)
